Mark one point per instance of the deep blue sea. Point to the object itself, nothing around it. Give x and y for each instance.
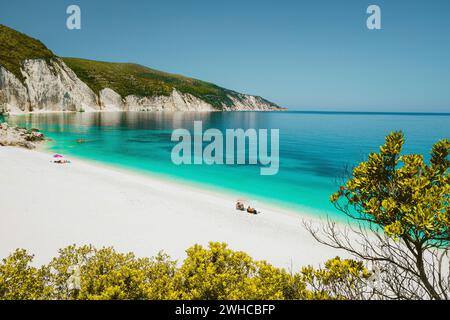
(316, 148)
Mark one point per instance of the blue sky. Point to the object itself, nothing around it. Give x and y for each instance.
(310, 55)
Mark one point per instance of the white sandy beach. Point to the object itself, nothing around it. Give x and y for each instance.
(45, 206)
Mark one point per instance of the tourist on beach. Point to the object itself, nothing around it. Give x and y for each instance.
(240, 206)
(252, 210)
(59, 159)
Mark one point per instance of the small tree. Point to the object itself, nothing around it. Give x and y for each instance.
(338, 279)
(400, 205)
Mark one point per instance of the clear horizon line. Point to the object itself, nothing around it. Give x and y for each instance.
(371, 112)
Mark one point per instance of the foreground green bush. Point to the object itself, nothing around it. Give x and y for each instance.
(215, 272)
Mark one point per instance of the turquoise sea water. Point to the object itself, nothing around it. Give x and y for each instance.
(316, 148)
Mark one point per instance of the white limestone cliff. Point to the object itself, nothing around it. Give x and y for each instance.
(13, 94)
(175, 102)
(52, 86)
(243, 102)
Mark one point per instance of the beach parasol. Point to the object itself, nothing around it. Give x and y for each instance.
(58, 156)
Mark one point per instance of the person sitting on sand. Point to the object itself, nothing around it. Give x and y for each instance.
(251, 210)
(61, 161)
(240, 206)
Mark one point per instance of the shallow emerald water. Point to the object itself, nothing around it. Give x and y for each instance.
(315, 148)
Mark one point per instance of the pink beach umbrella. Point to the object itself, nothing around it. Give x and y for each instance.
(58, 156)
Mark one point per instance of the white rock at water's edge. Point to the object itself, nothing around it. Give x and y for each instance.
(19, 137)
(50, 85)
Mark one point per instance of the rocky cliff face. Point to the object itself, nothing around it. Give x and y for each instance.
(175, 102)
(244, 102)
(112, 101)
(13, 94)
(50, 85)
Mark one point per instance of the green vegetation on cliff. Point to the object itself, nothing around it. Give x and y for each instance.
(15, 47)
(132, 79)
